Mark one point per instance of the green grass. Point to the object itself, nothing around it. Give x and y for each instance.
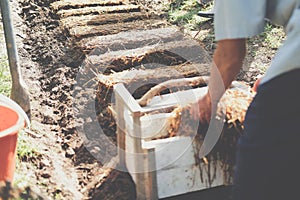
(262, 48)
(5, 78)
(26, 150)
(184, 13)
(274, 36)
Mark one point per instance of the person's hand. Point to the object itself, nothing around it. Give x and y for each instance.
(257, 82)
(202, 109)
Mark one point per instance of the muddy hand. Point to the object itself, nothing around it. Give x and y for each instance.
(201, 110)
(257, 82)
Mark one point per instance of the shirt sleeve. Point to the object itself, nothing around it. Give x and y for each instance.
(239, 18)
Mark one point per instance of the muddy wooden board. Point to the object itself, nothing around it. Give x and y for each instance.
(98, 10)
(85, 19)
(66, 4)
(131, 39)
(182, 174)
(139, 76)
(153, 56)
(87, 31)
(138, 82)
(101, 19)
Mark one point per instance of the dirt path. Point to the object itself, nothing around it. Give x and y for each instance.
(41, 46)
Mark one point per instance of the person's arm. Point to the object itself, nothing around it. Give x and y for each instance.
(228, 60)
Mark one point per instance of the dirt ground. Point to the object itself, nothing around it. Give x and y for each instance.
(62, 168)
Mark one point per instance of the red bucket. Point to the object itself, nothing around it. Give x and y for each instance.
(11, 122)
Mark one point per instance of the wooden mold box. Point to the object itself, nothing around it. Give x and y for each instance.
(161, 166)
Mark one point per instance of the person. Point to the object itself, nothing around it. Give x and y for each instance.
(267, 161)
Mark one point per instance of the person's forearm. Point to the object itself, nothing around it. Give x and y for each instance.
(228, 60)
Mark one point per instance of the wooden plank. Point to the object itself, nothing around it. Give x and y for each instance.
(140, 182)
(152, 56)
(138, 82)
(99, 10)
(101, 19)
(127, 99)
(93, 30)
(172, 83)
(178, 172)
(131, 39)
(139, 162)
(155, 126)
(120, 130)
(179, 98)
(135, 77)
(151, 186)
(181, 180)
(174, 152)
(143, 164)
(65, 4)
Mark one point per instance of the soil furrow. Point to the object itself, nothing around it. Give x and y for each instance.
(107, 29)
(70, 4)
(99, 10)
(153, 56)
(130, 40)
(102, 19)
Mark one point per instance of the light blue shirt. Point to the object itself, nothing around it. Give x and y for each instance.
(246, 18)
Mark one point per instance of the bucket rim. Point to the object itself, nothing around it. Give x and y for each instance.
(20, 123)
(16, 107)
